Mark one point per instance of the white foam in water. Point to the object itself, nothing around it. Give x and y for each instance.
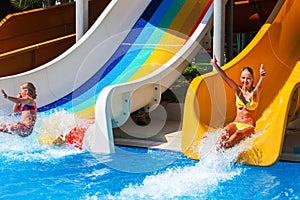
(215, 166)
(58, 123)
(97, 173)
(14, 147)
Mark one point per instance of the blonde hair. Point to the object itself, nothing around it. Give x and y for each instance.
(31, 89)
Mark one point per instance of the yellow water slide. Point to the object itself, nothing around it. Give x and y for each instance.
(209, 102)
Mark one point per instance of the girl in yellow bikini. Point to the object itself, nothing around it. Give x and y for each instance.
(247, 98)
(24, 103)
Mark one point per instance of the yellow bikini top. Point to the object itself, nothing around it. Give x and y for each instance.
(252, 105)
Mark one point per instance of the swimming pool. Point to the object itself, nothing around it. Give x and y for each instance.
(32, 171)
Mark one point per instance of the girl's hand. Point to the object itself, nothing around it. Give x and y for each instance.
(262, 71)
(213, 61)
(4, 93)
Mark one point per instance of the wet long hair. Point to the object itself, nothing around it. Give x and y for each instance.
(31, 89)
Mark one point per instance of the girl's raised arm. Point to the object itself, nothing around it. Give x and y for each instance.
(224, 76)
(258, 87)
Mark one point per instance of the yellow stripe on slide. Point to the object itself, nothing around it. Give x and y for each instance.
(169, 45)
(86, 113)
(182, 15)
(160, 55)
(193, 17)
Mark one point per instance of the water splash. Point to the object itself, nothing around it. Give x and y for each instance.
(214, 167)
(57, 123)
(192, 181)
(16, 148)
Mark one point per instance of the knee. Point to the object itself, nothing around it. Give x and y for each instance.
(24, 133)
(244, 133)
(239, 135)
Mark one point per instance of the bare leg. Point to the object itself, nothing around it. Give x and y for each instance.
(3, 128)
(20, 130)
(227, 132)
(238, 136)
(15, 128)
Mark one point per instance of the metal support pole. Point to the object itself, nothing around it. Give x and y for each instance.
(82, 17)
(229, 30)
(219, 30)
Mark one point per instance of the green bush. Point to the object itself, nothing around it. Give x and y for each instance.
(27, 4)
(196, 69)
(33, 4)
(180, 86)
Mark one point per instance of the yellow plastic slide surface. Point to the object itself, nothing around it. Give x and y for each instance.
(210, 103)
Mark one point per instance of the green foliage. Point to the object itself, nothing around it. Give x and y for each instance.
(180, 86)
(28, 4)
(196, 69)
(33, 4)
(169, 96)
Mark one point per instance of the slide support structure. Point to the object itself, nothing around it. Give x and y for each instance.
(219, 30)
(82, 16)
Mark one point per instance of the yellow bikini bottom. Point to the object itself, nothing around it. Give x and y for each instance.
(241, 126)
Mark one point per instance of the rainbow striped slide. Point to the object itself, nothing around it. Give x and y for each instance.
(127, 44)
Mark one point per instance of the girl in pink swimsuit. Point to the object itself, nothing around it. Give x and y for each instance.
(24, 103)
(247, 98)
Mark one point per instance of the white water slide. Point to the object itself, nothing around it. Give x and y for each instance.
(131, 54)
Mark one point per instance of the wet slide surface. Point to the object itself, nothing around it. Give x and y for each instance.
(209, 103)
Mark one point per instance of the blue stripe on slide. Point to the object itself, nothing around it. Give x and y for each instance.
(149, 11)
(82, 103)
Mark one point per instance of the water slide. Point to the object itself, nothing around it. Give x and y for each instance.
(209, 103)
(131, 54)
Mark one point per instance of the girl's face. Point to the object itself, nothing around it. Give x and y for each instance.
(246, 79)
(23, 92)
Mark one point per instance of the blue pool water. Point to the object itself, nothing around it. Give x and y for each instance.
(31, 171)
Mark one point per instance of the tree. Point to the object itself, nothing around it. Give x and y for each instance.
(27, 4)
(6, 8)
(32, 4)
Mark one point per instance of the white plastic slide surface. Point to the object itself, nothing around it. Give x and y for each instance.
(68, 72)
(131, 54)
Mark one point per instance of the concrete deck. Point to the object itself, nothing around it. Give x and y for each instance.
(167, 137)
